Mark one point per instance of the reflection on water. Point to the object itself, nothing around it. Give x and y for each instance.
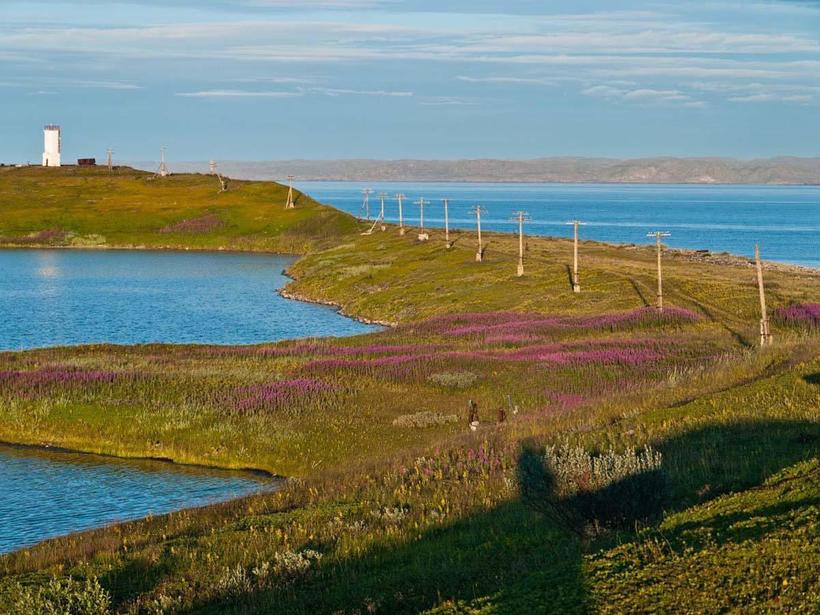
(47, 494)
(63, 297)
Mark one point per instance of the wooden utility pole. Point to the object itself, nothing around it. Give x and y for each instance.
(290, 204)
(382, 196)
(479, 255)
(447, 241)
(766, 338)
(658, 235)
(576, 280)
(110, 154)
(520, 216)
(400, 197)
(366, 203)
(423, 236)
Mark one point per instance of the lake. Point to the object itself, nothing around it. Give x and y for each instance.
(784, 219)
(48, 494)
(63, 297)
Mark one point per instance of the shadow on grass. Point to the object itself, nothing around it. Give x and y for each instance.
(812, 378)
(525, 556)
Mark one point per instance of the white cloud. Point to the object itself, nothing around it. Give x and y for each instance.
(237, 94)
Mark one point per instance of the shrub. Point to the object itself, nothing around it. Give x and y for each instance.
(606, 490)
(424, 419)
(62, 597)
(453, 380)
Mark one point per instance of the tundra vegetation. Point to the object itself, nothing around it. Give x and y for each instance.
(625, 460)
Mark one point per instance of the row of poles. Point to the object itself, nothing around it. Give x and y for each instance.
(520, 217)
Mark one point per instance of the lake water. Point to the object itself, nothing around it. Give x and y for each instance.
(62, 297)
(784, 219)
(48, 494)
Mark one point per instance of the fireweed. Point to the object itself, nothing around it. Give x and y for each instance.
(278, 395)
(799, 314)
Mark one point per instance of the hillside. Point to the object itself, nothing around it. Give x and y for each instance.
(662, 170)
(90, 207)
(623, 459)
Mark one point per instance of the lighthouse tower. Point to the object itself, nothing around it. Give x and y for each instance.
(51, 151)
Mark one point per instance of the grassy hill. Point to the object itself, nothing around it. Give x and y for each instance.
(624, 461)
(90, 207)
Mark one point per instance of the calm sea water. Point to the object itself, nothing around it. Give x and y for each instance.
(785, 220)
(62, 297)
(49, 494)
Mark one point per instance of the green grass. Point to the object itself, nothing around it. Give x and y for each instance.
(75, 207)
(400, 508)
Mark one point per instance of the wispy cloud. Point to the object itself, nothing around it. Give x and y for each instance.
(237, 94)
(644, 96)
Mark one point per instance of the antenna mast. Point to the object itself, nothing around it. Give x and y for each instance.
(423, 236)
(658, 235)
(110, 156)
(576, 282)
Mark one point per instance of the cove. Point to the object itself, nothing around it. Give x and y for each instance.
(68, 297)
(48, 493)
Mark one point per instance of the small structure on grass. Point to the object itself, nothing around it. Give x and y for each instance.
(52, 145)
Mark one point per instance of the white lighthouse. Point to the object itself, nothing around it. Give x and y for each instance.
(51, 151)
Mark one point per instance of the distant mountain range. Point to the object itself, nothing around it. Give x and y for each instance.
(783, 170)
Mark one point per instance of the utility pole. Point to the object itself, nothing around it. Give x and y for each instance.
(290, 204)
(400, 197)
(110, 154)
(766, 338)
(479, 255)
(421, 203)
(658, 235)
(163, 168)
(520, 216)
(447, 241)
(576, 281)
(366, 203)
(382, 196)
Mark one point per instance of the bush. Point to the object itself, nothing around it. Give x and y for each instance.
(424, 419)
(606, 490)
(453, 380)
(62, 597)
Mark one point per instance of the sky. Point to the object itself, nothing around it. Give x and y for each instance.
(320, 79)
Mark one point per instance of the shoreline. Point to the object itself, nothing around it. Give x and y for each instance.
(47, 448)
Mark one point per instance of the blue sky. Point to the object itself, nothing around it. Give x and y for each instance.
(274, 79)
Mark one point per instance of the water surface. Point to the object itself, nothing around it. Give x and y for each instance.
(784, 219)
(48, 494)
(63, 297)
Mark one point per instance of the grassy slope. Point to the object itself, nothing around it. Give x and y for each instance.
(387, 277)
(398, 537)
(128, 208)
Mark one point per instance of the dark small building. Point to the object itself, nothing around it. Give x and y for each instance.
(87, 162)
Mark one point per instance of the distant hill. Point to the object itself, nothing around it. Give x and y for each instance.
(784, 170)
